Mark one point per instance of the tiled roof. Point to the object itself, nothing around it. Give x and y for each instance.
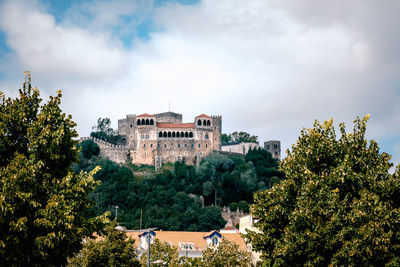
(144, 115)
(203, 116)
(197, 238)
(175, 125)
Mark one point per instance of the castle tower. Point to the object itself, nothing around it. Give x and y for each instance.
(274, 147)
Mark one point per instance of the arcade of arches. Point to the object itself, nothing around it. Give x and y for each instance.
(175, 134)
(145, 122)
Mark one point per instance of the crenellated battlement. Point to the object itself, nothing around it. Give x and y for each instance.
(99, 141)
(117, 153)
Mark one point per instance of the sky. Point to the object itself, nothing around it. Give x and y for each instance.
(268, 67)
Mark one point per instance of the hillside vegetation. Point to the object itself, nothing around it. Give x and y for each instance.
(171, 199)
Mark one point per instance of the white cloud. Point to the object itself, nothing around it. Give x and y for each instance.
(269, 67)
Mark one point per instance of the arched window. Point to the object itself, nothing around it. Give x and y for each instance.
(147, 122)
(191, 135)
(206, 136)
(199, 145)
(131, 125)
(160, 134)
(165, 145)
(169, 134)
(186, 134)
(143, 122)
(173, 134)
(151, 122)
(192, 146)
(138, 122)
(177, 134)
(204, 123)
(199, 122)
(208, 123)
(165, 134)
(179, 145)
(182, 134)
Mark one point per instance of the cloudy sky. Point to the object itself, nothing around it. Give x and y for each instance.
(269, 67)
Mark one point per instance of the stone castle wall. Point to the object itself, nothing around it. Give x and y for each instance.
(116, 153)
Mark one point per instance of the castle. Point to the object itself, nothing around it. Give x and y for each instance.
(159, 138)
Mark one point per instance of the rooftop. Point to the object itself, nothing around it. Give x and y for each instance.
(175, 125)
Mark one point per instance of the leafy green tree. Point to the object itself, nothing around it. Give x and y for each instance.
(243, 206)
(265, 166)
(161, 252)
(42, 203)
(226, 138)
(338, 206)
(111, 249)
(89, 149)
(238, 137)
(227, 254)
(104, 131)
(244, 137)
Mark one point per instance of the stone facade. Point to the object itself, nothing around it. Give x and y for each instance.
(116, 153)
(240, 148)
(273, 146)
(159, 138)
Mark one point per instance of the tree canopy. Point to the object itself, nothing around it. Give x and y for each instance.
(338, 206)
(227, 254)
(112, 249)
(42, 202)
(163, 252)
(238, 137)
(103, 131)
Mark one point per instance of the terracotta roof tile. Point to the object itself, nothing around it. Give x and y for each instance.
(144, 115)
(203, 116)
(197, 238)
(175, 125)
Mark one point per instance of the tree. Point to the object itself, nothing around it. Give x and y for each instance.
(111, 249)
(226, 254)
(104, 131)
(42, 203)
(238, 137)
(338, 206)
(89, 149)
(162, 251)
(244, 137)
(226, 138)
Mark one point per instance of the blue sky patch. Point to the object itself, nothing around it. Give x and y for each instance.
(4, 48)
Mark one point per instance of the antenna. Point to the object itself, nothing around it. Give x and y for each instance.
(169, 107)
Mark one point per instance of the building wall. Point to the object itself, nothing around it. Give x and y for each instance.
(241, 148)
(145, 145)
(274, 147)
(116, 153)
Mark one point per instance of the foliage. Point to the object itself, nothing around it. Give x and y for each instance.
(110, 249)
(265, 166)
(42, 203)
(238, 137)
(338, 206)
(163, 251)
(103, 131)
(226, 254)
(89, 149)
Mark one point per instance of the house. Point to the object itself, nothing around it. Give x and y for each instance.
(247, 223)
(189, 244)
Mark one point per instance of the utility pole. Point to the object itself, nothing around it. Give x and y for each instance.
(141, 214)
(116, 212)
(148, 245)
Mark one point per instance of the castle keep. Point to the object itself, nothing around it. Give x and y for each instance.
(159, 138)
